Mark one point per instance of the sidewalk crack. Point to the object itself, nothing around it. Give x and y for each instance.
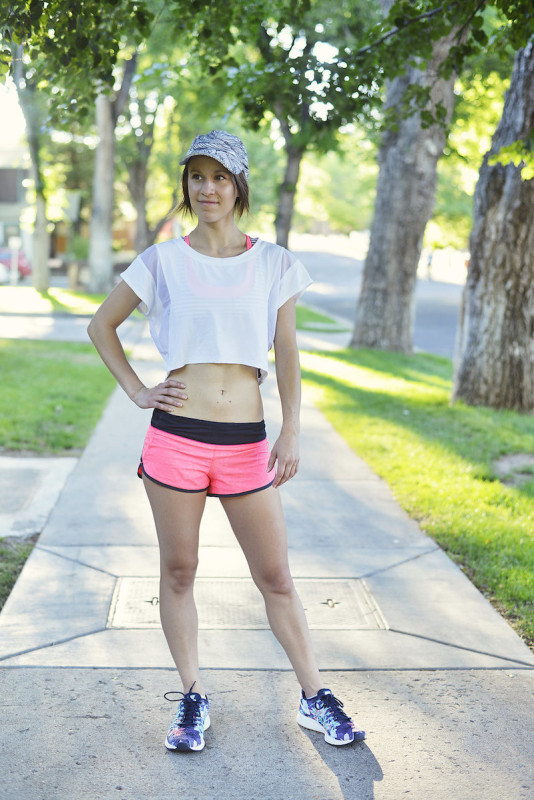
(400, 563)
(75, 561)
(51, 644)
(462, 647)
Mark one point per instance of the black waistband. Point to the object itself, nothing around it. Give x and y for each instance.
(203, 430)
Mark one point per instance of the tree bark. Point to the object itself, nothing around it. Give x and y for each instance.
(101, 229)
(288, 187)
(171, 213)
(108, 109)
(31, 105)
(137, 179)
(405, 198)
(137, 182)
(494, 360)
(286, 198)
(41, 243)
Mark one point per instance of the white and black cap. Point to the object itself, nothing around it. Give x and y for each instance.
(224, 147)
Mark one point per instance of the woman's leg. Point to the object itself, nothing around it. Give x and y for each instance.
(177, 516)
(257, 520)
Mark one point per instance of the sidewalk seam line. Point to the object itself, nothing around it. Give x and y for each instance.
(74, 561)
(462, 647)
(52, 644)
(116, 667)
(436, 549)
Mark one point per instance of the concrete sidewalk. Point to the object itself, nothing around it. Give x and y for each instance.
(439, 680)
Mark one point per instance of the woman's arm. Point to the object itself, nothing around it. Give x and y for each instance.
(102, 331)
(286, 448)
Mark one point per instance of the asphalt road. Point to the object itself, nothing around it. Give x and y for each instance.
(337, 282)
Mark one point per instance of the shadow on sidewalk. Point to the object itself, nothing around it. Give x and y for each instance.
(354, 766)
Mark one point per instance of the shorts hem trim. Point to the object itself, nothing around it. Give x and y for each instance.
(174, 488)
(240, 494)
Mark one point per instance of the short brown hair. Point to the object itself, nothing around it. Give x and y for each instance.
(242, 205)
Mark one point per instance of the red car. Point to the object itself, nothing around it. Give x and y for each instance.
(5, 265)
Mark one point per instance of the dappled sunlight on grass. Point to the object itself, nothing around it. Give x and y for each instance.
(308, 319)
(395, 412)
(366, 378)
(422, 368)
(75, 302)
(422, 406)
(53, 395)
(27, 300)
(23, 300)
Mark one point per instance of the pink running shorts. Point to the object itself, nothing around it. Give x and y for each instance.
(221, 470)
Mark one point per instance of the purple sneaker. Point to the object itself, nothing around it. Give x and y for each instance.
(324, 713)
(192, 719)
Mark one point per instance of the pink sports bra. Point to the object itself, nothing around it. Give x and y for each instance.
(249, 241)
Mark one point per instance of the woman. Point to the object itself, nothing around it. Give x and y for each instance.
(216, 302)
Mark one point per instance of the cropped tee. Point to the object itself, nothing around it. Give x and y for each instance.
(206, 310)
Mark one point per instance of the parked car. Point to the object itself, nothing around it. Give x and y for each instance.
(24, 266)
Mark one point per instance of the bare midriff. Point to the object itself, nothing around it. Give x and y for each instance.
(220, 392)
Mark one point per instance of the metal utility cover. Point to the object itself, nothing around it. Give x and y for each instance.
(236, 604)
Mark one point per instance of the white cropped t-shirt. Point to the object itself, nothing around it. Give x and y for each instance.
(205, 310)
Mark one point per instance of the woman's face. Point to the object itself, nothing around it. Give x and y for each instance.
(212, 190)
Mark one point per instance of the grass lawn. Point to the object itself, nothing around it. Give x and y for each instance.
(438, 459)
(310, 320)
(13, 555)
(27, 300)
(53, 394)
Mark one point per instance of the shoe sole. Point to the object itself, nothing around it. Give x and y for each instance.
(313, 725)
(183, 747)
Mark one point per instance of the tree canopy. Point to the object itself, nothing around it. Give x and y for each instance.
(83, 39)
(79, 43)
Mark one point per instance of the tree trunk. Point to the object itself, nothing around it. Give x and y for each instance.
(100, 242)
(404, 203)
(494, 361)
(288, 188)
(40, 268)
(171, 213)
(41, 243)
(108, 109)
(286, 198)
(31, 104)
(137, 178)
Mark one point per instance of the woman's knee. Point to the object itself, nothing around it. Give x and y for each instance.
(278, 582)
(179, 576)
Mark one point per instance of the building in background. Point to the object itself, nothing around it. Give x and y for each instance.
(12, 196)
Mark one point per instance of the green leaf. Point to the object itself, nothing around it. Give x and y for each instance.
(35, 9)
(480, 36)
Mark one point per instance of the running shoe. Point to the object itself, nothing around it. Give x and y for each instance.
(192, 719)
(324, 713)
